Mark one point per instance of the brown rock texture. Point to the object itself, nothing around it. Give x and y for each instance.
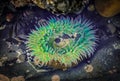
(107, 8)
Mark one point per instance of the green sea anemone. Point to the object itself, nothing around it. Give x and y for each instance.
(63, 41)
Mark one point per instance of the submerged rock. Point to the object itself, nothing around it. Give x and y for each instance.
(107, 8)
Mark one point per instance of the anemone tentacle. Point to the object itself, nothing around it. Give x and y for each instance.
(80, 44)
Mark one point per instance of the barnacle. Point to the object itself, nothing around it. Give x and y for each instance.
(20, 3)
(63, 42)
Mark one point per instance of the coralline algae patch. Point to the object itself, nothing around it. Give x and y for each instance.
(62, 42)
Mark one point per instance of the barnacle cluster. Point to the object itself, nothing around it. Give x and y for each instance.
(61, 6)
(62, 42)
(20, 3)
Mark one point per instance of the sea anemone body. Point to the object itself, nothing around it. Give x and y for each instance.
(63, 42)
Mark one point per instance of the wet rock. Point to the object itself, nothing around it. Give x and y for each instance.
(116, 20)
(107, 8)
(62, 6)
(112, 28)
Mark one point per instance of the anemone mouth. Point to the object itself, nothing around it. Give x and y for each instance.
(63, 42)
